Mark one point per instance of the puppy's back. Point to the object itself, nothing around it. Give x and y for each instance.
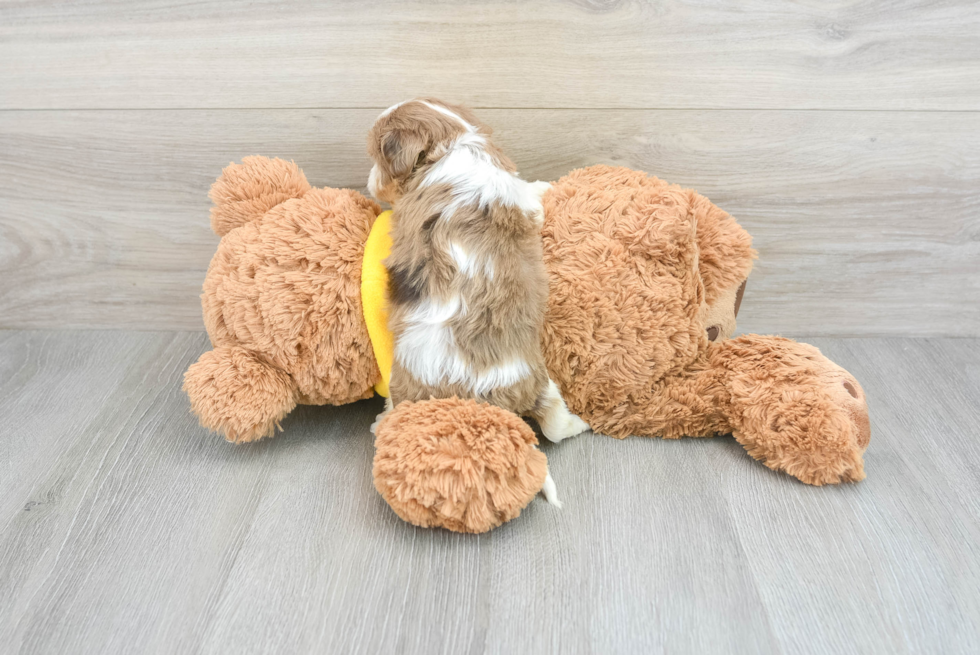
(467, 296)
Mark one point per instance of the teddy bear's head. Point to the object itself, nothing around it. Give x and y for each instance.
(644, 276)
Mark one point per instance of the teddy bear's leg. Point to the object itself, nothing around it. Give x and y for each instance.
(457, 464)
(234, 392)
(794, 409)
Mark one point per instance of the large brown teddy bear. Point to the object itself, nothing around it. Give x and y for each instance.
(646, 279)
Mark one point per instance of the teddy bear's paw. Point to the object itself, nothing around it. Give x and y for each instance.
(840, 433)
(847, 466)
(817, 441)
(795, 410)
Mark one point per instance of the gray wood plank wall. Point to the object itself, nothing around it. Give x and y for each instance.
(846, 137)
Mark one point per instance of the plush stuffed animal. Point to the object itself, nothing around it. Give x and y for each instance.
(646, 280)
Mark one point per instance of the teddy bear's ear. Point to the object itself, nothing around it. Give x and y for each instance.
(245, 192)
(725, 253)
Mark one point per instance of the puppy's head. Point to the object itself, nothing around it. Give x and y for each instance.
(411, 136)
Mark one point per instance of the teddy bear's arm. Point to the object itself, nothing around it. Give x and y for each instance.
(462, 465)
(785, 402)
(792, 408)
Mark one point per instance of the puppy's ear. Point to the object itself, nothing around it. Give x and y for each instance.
(403, 150)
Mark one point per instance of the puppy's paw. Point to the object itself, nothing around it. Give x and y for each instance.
(565, 427)
(550, 491)
(388, 408)
(535, 190)
(539, 188)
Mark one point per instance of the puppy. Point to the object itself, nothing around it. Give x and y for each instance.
(468, 288)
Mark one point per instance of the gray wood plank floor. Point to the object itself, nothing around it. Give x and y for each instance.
(124, 527)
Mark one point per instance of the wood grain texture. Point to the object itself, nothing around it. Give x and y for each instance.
(866, 222)
(852, 54)
(125, 527)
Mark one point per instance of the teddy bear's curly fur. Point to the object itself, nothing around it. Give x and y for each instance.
(645, 281)
(281, 300)
(636, 266)
(457, 464)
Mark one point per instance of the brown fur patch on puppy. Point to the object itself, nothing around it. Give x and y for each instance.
(499, 300)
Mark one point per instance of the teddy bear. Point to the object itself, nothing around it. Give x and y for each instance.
(645, 283)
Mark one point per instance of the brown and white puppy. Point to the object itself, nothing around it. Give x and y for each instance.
(468, 287)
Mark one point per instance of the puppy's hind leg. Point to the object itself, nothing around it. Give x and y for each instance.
(552, 415)
(388, 407)
(536, 191)
(550, 491)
